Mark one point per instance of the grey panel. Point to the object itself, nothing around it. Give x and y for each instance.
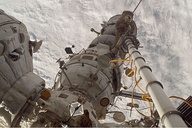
(4, 87)
(21, 61)
(27, 56)
(104, 39)
(6, 71)
(13, 101)
(110, 30)
(4, 18)
(18, 66)
(28, 84)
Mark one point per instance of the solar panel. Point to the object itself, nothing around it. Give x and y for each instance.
(186, 111)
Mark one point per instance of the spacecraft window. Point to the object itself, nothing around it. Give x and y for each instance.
(63, 96)
(87, 57)
(75, 58)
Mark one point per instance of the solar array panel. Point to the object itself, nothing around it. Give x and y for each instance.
(186, 111)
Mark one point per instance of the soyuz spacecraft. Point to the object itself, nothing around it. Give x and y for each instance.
(86, 84)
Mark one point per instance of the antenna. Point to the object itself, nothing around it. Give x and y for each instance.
(137, 6)
(62, 67)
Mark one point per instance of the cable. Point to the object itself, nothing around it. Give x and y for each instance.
(146, 99)
(122, 61)
(126, 59)
(176, 97)
(139, 109)
(135, 74)
(131, 77)
(145, 96)
(132, 70)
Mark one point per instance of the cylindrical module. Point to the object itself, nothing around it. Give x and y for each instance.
(19, 86)
(90, 73)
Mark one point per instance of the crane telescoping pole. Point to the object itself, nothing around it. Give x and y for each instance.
(170, 117)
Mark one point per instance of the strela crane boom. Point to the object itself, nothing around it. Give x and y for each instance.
(86, 84)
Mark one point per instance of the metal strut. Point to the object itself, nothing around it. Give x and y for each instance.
(137, 6)
(166, 110)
